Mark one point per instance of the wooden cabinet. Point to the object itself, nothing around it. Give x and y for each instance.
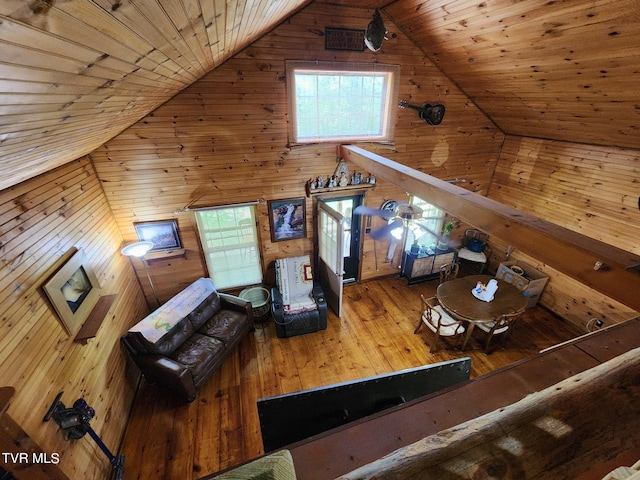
(425, 266)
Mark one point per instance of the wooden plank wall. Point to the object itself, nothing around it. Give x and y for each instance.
(567, 297)
(40, 220)
(591, 190)
(224, 140)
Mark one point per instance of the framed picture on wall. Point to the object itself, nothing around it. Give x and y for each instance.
(163, 234)
(73, 291)
(287, 219)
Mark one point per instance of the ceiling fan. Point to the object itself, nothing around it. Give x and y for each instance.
(397, 215)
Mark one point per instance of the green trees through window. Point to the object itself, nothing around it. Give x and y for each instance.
(230, 243)
(337, 102)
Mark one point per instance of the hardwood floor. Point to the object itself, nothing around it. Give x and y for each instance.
(167, 439)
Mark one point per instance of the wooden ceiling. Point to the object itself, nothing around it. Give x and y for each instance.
(563, 70)
(75, 73)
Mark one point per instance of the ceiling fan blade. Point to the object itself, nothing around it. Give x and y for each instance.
(373, 212)
(386, 230)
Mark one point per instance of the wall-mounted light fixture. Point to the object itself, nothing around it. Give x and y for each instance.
(376, 33)
(508, 253)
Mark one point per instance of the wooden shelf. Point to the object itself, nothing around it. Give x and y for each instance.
(315, 191)
(96, 317)
(165, 254)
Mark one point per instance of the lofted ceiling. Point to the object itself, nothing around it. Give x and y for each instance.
(75, 73)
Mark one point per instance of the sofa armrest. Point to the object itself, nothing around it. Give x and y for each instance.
(318, 293)
(277, 308)
(232, 302)
(321, 302)
(168, 373)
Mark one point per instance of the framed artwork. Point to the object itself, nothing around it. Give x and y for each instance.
(73, 291)
(163, 234)
(287, 219)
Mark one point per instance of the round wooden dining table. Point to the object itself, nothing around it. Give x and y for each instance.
(456, 298)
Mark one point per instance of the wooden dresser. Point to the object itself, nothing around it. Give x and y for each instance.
(425, 266)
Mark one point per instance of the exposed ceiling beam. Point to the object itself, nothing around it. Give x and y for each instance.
(565, 250)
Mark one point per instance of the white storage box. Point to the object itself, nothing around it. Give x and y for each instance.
(525, 278)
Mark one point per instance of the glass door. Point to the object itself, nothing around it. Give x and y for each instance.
(350, 234)
(330, 263)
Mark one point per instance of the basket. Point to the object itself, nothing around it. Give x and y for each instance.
(260, 300)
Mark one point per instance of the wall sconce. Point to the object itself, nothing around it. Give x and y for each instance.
(508, 253)
(139, 250)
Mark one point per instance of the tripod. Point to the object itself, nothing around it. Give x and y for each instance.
(74, 422)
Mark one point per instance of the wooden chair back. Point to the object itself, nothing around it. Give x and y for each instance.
(471, 235)
(477, 234)
(503, 326)
(440, 324)
(449, 271)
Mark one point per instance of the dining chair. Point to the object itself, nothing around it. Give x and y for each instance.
(475, 248)
(439, 322)
(503, 327)
(449, 271)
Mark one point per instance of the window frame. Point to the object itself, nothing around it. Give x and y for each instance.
(433, 225)
(253, 246)
(389, 97)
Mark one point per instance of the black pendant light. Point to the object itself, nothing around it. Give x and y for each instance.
(376, 33)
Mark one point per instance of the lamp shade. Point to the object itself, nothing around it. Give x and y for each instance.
(137, 249)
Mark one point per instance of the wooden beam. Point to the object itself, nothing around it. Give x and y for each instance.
(565, 250)
(560, 432)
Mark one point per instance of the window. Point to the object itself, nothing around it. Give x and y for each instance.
(230, 243)
(424, 232)
(334, 102)
(328, 244)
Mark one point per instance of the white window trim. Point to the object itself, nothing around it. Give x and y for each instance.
(254, 247)
(390, 97)
(434, 225)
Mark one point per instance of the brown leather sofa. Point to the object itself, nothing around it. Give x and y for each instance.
(194, 345)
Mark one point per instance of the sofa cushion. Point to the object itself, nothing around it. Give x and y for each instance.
(170, 341)
(198, 353)
(205, 310)
(225, 325)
